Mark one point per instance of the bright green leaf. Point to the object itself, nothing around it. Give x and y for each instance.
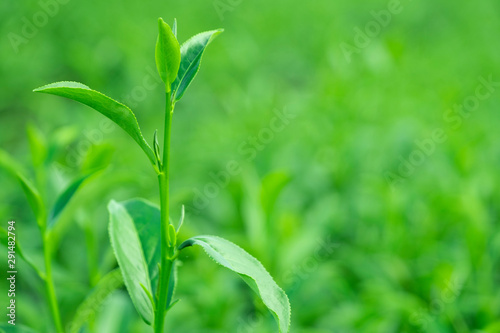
(117, 112)
(251, 270)
(191, 53)
(130, 256)
(167, 54)
(34, 199)
(65, 197)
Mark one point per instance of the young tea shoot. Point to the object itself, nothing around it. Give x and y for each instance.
(144, 240)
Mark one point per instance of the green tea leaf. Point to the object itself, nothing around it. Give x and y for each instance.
(88, 308)
(130, 256)
(117, 112)
(191, 53)
(251, 270)
(147, 220)
(65, 197)
(167, 54)
(34, 199)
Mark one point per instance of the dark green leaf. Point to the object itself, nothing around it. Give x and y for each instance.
(34, 199)
(65, 197)
(167, 54)
(130, 256)
(251, 270)
(147, 219)
(191, 53)
(117, 112)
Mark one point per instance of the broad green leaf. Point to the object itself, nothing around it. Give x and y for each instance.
(191, 53)
(38, 145)
(130, 256)
(65, 197)
(34, 199)
(88, 308)
(147, 218)
(117, 112)
(147, 221)
(251, 270)
(167, 54)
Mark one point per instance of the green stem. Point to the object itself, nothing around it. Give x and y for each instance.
(166, 261)
(49, 283)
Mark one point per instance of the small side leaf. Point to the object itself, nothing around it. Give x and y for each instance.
(251, 270)
(34, 199)
(191, 53)
(117, 112)
(129, 254)
(167, 54)
(65, 197)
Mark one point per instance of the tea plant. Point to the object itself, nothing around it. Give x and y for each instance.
(144, 240)
(45, 216)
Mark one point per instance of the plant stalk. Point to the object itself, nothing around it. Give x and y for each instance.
(166, 261)
(49, 283)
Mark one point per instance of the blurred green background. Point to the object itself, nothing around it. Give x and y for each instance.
(367, 220)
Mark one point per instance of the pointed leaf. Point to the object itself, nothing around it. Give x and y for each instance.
(167, 54)
(34, 199)
(65, 197)
(117, 112)
(129, 254)
(191, 53)
(174, 28)
(251, 270)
